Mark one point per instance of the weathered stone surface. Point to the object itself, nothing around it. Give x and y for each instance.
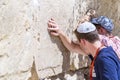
(52, 57)
(16, 48)
(28, 52)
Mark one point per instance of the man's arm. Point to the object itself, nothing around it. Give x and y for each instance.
(54, 30)
(69, 44)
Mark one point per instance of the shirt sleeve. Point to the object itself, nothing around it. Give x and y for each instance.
(107, 69)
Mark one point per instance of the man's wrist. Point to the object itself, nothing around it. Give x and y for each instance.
(60, 33)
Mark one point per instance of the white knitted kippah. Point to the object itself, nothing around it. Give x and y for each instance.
(86, 27)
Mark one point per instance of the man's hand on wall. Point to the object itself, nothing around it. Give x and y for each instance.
(53, 28)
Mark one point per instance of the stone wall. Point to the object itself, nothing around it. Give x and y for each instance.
(28, 52)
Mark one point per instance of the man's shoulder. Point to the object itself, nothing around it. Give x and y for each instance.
(107, 49)
(116, 38)
(102, 37)
(107, 52)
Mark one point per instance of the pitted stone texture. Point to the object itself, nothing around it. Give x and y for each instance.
(52, 57)
(16, 50)
(24, 36)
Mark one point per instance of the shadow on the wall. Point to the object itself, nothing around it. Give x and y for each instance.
(34, 75)
(65, 53)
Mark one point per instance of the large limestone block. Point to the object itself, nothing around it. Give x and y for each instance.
(16, 48)
(51, 53)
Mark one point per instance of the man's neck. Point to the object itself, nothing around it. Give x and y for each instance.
(94, 47)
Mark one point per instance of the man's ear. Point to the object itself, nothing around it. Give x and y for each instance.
(102, 31)
(83, 41)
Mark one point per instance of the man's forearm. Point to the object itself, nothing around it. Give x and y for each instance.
(69, 44)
